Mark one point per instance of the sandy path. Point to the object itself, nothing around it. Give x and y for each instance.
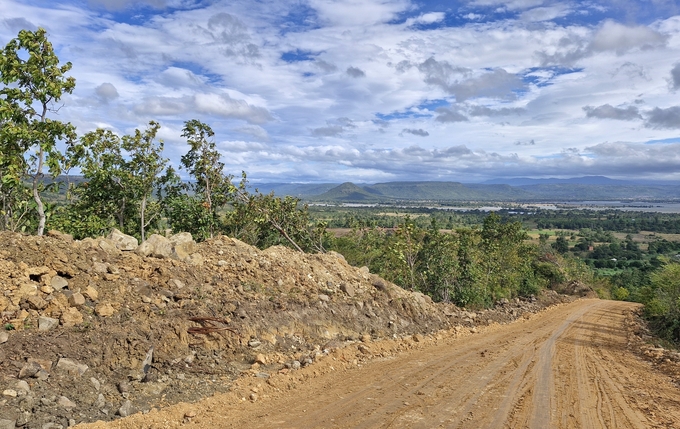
(567, 367)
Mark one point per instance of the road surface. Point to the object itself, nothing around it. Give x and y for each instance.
(567, 367)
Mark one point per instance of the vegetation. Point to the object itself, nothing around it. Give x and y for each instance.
(470, 258)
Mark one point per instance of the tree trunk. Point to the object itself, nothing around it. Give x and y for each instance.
(141, 216)
(36, 194)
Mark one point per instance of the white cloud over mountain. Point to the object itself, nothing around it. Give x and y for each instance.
(381, 89)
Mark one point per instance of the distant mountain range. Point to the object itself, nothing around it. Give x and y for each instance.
(520, 189)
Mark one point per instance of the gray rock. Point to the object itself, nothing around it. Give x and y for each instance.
(23, 386)
(101, 401)
(175, 284)
(29, 370)
(58, 282)
(123, 241)
(295, 364)
(76, 299)
(7, 424)
(71, 366)
(183, 245)
(126, 409)
(97, 385)
(52, 425)
(65, 402)
(156, 246)
(254, 343)
(46, 323)
(100, 268)
(4, 336)
(324, 298)
(348, 289)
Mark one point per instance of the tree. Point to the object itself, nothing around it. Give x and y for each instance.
(143, 171)
(33, 81)
(211, 186)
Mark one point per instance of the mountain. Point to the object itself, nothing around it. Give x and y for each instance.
(585, 180)
(299, 190)
(348, 192)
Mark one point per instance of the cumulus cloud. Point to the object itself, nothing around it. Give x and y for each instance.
(334, 128)
(325, 66)
(254, 131)
(213, 104)
(122, 4)
(607, 111)
(355, 72)
(620, 38)
(529, 143)
(426, 18)
(176, 77)
(416, 132)
(449, 115)
(664, 118)
(227, 107)
(503, 111)
(546, 13)
(454, 80)
(675, 76)
(232, 34)
(106, 92)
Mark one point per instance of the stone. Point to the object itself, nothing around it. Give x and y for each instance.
(36, 302)
(46, 289)
(65, 402)
(108, 246)
(8, 424)
(123, 241)
(366, 338)
(29, 369)
(324, 297)
(95, 383)
(25, 290)
(126, 409)
(195, 259)
(260, 359)
(104, 310)
(183, 245)
(253, 396)
(46, 323)
(23, 386)
(418, 338)
(58, 282)
(10, 393)
(45, 364)
(156, 246)
(4, 336)
(91, 293)
(60, 235)
(37, 271)
(100, 268)
(175, 284)
(295, 364)
(76, 300)
(348, 289)
(71, 366)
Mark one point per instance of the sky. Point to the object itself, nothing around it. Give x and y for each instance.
(380, 90)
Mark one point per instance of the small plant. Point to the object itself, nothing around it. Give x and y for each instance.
(9, 327)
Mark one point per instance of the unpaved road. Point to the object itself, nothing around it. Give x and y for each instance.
(566, 367)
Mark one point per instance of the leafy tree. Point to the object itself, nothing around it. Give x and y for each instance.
(143, 171)
(33, 82)
(195, 207)
(438, 263)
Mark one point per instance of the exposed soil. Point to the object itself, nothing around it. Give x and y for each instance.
(91, 332)
(571, 366)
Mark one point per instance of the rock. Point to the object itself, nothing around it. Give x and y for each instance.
(26, 290)
(324, 298)
(23, 386)
(100, 268)
(7, 424)
(76, 300)
(126, 409)
(29, 369)
(104, 310)
(65, 402)
(97, 385)
(260, 359)
(36, 302)
(10, 393)
(101, 401)
(195, 259)
(123, 387)
(71, 317)
(108, 246)
(46, 323)
(91, 293)
(71, 366)
(123, 241)
(183, 245)
(348, 289)
(175, 284)
(58, 283)
(46, 289)
(366, 338)
(4, 336)
(37, 271)
(254, 343)
(156, 246)
(295, 364)
(417, 338)
(253, 396)
(51, 425)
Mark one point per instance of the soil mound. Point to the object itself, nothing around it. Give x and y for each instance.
(94, 330)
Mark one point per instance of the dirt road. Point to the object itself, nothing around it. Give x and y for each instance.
(566, 367)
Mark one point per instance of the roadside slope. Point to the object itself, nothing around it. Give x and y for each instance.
(566, 367)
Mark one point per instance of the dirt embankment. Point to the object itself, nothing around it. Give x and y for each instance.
(93, 332)
(570, 366)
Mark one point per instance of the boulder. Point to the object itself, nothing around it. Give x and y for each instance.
(46, 323)
(104, 310)
(183, 245)
(123, 241)
(58, 283)
(71, 317)
(156, 246)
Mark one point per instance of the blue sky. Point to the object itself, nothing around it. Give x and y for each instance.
(376, 90)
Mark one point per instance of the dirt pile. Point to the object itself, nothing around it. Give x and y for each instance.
(99, 328)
